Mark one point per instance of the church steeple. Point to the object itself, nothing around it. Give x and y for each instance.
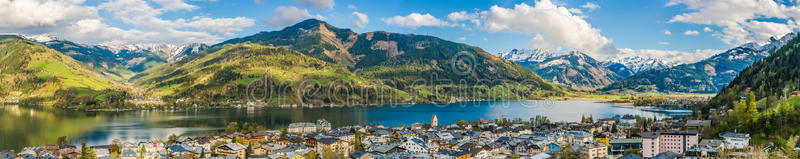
(434, 121)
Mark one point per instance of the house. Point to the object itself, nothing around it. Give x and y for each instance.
(415, 146)
(663, 141)
(619, 146)
(576, 137)
(362, 155)
(334, 144)
(323, 125)
(696, 124)
(234, 149)
(594, 150)
(702, 150)
(735, 140)
(127, 154)
(452, 154)
(302, 128)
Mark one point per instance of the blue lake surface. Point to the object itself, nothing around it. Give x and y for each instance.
(25, 126)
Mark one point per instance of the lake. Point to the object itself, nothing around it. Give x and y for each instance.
(28, 126)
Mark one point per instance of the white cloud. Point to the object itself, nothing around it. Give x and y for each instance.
(765, 30)
(225, 26)
(171, 5)
(74, 21)
(352, 6)
(667, 32)
(361, 20)
(691, 32)
(21, 14)
(285, 16)
(316, 4)
(707, 29)
(553, 26)
(671, 55)
(739, 18)
(591, 6)
(663, 43)
(415, 20)
(463, 15)
(462, 39)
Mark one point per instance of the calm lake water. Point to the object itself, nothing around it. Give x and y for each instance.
(25, 126)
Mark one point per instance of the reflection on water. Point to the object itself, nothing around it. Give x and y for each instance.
(25, 126)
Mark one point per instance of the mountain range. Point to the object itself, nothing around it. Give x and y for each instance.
(310, 55)
(571, 69)
(706, 76)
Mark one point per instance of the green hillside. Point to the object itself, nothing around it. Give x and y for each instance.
(759, 101)
(226, 72)
(399, 58)
(31, 72)
(117, 66)
(413, 68)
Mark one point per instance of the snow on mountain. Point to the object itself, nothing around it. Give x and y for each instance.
(527, 55)
(171, 51)
(638, 63)
(42, 38)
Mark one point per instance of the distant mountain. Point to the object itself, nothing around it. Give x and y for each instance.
(706, 76)
(571, 69)
(434, 69)
(119, 62)
(32, 72)
(775, 76)
(636, 64)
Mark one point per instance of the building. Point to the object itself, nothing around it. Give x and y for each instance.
(736, 140)
(696, 124)
(594, 150)
(576, 137)
(302, 128)
(434, 121)
(619, 146)
(323, 125)
(654, 143)
(705, 149)
(234, 149)
(334, 144)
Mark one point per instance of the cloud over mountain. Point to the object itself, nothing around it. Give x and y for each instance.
(741, 21)
(553, 26)
(144, 23)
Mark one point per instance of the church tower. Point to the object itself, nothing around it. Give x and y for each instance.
(434, 121)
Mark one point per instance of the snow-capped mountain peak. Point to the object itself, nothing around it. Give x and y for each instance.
(42, 38)
(638, 63)
(527, 55)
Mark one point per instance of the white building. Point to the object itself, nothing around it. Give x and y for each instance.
(736, 140)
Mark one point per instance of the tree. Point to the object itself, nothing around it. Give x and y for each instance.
(248, 151)
(232, 128)
(327, 153)
(311, 155)
(751, 106)
(357, 145)
(86, 152)
(462, 122)
(142, 151)
(568, 152)
(62, 141)
(614, 128)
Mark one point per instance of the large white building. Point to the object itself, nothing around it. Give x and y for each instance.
(736, 140)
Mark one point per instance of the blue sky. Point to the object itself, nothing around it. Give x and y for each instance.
(602, 28)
